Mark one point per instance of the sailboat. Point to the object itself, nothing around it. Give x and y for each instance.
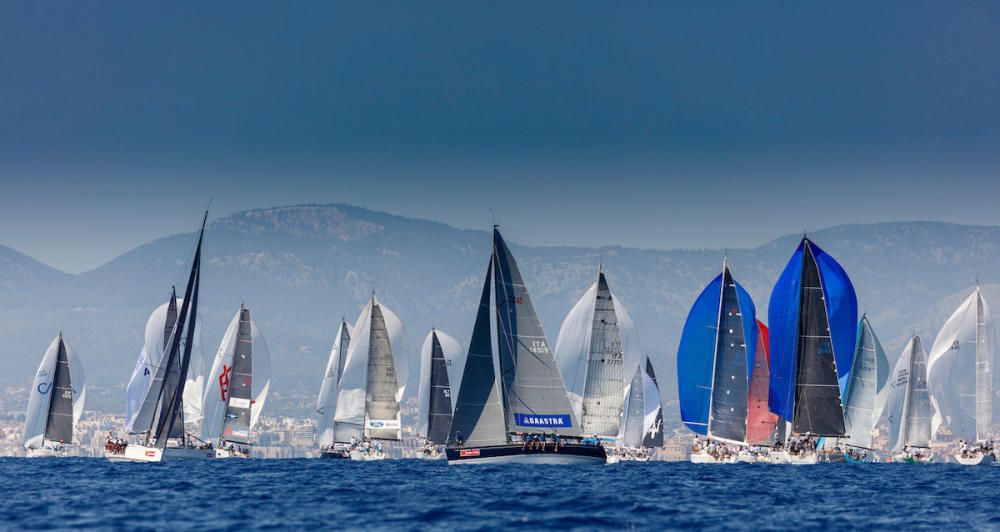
(865, 396)
(511, 385)
(158, 329)
(158, 421)
(372, 383)
(238, 386)
(761, 421)
(56, 402)
(597, 352)
(326, 403)
(959, 372)
(642, 428)
(441, 361)
(714, 366)
(908, 406)
(813, 315)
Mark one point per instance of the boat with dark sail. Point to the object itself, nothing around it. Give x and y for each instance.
(372, 384)
(813, 316)
(326, 403)
(642, 428)
(157, 426)
(960, 373)
(441, 362)
(512, 405)
(598, 353)
(55, 403)
(237, 389)
(908, 407)
(715, 362)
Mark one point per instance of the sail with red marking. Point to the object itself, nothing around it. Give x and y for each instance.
(760, 420)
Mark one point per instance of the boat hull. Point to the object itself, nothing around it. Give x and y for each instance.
(45, 452)
(975, 459)
(906, 458)
(704, 458)
(331, 454)
(570, 453)
(802, 458)
(141, 453)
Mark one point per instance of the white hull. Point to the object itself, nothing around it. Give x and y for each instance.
(533, 459)
(975, 459)
(45, 452)
(703, 457)
(142, 453)
(436, 455)
(359, 456)
(809, 458)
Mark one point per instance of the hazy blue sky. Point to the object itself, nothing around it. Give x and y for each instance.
(647, 124)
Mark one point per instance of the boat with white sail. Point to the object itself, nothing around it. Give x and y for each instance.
(237, 389)
(55, 403)
(326, 403)
(959, 374)
(512, 405)
(598, 354)
(908, 408)
(156, 421)
(716, 362)
(441, 362)
(642, 429)
(813, 316)
(367, 412)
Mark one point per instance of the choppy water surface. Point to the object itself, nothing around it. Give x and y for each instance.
(415, 494)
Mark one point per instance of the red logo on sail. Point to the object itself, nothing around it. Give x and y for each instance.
(224, 381)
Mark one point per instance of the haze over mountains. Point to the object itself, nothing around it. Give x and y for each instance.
(301, 268)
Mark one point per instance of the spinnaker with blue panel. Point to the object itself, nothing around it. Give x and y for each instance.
(813, 318)
(715, 360)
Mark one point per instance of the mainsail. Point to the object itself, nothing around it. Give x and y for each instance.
(516, 387)
(643, 423)
(713, 360)
(161, 411)
(57, 397)
(238, 383)
(597, 349)
(865, 394)
(374, 377)
(813, 317)
(908, 405)
(960, 369)
(653, 416)
(326, 404)
(441, 360)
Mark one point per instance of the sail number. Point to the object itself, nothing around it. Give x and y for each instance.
(538, 347)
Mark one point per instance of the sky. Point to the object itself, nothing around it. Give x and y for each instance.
(655, 125)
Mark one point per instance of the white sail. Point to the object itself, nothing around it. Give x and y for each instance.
(149, 359)
(214, 400)
(907, 405)
(454, 355)
(959, 358)
(574, 349)
(351, 418)
(651, 403)
(326, 404)
(40, 395)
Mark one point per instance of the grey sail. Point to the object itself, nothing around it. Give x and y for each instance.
(984, 374)
(604, 386)
(59, 425)
(479, 416)
(380, 402)
(236, 424)
(654, 436)
(818, 406)
(534, 394)
(632, 431)
(728, 413)
(439, 409)
(170, 376)
(869, 374)
(918, 409)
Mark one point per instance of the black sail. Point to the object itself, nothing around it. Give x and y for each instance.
(728, 418)
(59, 425)
(439, 411)
(236, 425)
(479, 416)
(654, 437)
(818, 407)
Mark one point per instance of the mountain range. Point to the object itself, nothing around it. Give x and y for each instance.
(301, 268)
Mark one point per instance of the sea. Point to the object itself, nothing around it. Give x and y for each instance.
(426, 495)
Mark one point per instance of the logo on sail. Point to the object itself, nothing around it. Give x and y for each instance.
(382, 424)
(224, 381)
(543, 420)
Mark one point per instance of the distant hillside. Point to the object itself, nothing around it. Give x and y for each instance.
(301, 268)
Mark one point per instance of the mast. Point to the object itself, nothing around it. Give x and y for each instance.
(984, 376)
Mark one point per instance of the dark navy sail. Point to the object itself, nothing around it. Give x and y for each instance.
(59, 425)
(813, 315)
(239, 398)
(439, 409)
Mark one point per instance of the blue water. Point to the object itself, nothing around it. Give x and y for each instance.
(411, 494)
